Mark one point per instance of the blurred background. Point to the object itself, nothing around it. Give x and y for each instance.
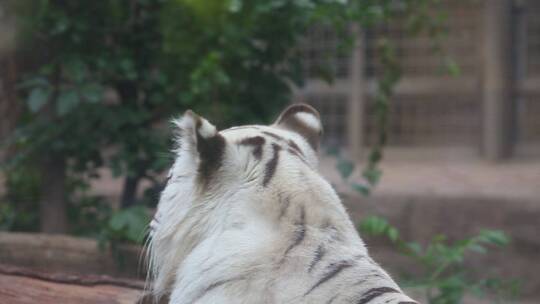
(430, 107)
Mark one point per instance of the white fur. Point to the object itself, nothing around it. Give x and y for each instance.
(207, 130)
(309, 119)
(226, 242)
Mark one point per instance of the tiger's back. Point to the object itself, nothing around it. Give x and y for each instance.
(247, 218)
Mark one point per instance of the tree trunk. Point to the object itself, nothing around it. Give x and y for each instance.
(129, 192)
(10, 109)
(53, 206)
(128, 96)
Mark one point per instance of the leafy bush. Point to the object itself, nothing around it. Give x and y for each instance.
(18, 207)
(92, 216)
(128, 225)
(444, 278)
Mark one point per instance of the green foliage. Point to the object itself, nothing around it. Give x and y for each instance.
(18, 206)
(123, 226)
(109, 74)
(93, 216)
(89, 215)
(346, 168)
(128, 224)
(441, 273)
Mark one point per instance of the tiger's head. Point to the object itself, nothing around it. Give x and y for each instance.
(231, 190)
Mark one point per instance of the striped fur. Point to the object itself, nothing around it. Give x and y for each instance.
(247, 218)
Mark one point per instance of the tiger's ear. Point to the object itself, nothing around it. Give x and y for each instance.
(199, 139)
(304, 120)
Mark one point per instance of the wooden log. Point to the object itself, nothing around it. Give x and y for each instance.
(25, 286)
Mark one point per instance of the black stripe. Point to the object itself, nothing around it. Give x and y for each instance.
(211, 152)
(271, 165)
(300, 232)
(293, 152)
(332, 299)
(366, 258)
(210, 267)
(332, 230)
(284, 206)
(257, 142)
(216, 285)
(319, 253)
(334, 270)
(289, 142)
(375, 293)
(295, 147)
(252, 141)
(375, 275)
(273, 135)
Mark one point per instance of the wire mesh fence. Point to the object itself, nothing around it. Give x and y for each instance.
(429, 108)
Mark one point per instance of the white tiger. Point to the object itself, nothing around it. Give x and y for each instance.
(247, 218)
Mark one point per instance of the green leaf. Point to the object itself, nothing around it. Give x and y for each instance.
(92, 92)
(128, 68)
(75, 70)
(234, 6)
(494, 237)
(374, 225)
(393, 234)
(373, 176)
(477, 248)
(415, 248)
(32, 82)
(345, 168)
(452, 67)
(332, 151)
(37, 99)
(362, 189)
(131, 222)
(61, 25)
(66, 102)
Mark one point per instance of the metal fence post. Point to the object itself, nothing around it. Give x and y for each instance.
(357, 96)
(497, 87)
